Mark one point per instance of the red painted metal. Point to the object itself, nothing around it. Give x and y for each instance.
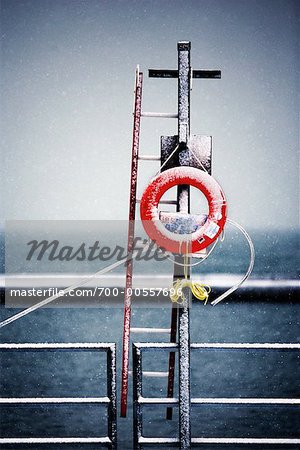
(131, 226)
(202, 237)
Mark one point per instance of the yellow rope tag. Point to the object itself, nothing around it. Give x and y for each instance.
(200, 291)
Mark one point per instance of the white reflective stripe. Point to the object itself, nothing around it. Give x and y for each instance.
(62, 440)
(48, 400)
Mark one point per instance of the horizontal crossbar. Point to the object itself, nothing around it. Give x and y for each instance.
(221, 346)
(170, 73)
(55, 400)
(88, 346)
(255, 441)
(221, 401)
(62, 440)
(246, 346)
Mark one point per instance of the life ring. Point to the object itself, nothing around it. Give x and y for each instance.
(206, 233)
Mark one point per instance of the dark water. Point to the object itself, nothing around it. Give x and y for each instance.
(214, 373)
(251, 316)
(277, 255)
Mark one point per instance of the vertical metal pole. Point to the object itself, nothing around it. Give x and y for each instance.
(137, 393)
(131, 224)
(183, 205)
(171, 377)
(112, 395)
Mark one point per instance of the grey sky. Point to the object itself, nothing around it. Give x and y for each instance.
(67, 92)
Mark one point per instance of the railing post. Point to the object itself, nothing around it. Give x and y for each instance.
(137, 393)
(184, 373)
(184, 71)
(112, 395)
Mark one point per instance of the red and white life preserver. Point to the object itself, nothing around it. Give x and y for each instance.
(205, 234)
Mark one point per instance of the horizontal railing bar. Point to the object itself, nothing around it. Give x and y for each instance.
(159, 441)
(277, 441)
(56, 400)
(150, 157)
(62, 440)
(156, 346)
(265, 345)
(246, 401)
(158, 401)
(225, 346)
(160, 114)
(221, 401)
(165, 441)
(150, 330)
(59, 346)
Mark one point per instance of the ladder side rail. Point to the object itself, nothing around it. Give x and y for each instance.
(131, 229)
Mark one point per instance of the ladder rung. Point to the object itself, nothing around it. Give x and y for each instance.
(156, 374)
(150, 157)
(153, 374)
(168, 202)
(162, 202)
(150, 330)
(158, 401)
(159, 114)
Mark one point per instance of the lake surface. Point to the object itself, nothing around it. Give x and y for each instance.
(251, 315)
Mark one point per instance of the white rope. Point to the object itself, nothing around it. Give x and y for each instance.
(250, 267)
(248, 272)
(191, 255)
(196, 157)
(70, 288)
(169, 157)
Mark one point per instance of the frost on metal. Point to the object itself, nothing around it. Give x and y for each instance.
(198, 153)
(174, 177)
(183, 91)
(200, 148)
(184, 374)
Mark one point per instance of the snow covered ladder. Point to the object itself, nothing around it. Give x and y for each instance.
(109, 441)
(174, 152)
(139, 402)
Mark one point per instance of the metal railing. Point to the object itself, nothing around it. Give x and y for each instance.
(109, 441)
(139, 401)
